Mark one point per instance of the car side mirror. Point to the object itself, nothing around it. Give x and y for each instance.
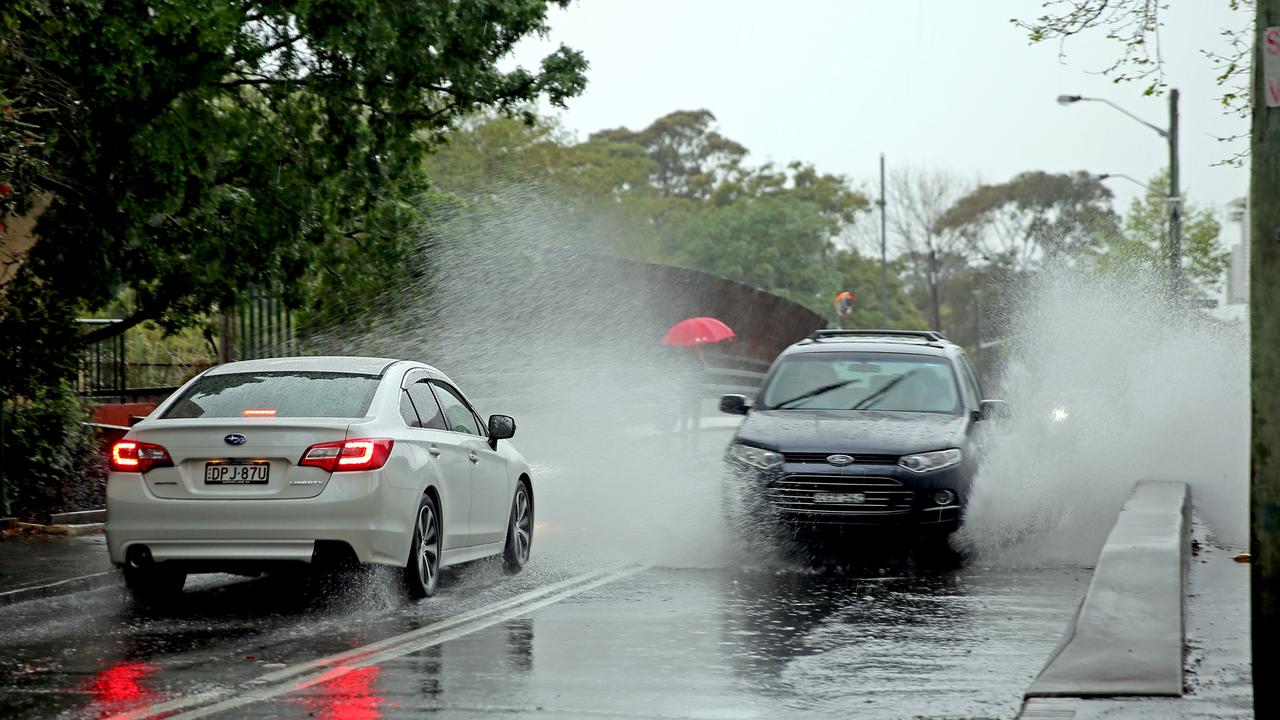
(994, 410)
(501, 427)
(734, 404)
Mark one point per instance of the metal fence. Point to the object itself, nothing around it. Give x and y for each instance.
(264, 328)
(261, 327)
(103, 366)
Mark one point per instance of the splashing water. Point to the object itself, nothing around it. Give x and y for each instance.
(568, 342)
(1107, 388)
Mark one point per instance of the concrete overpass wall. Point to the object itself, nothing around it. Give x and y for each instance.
(635, 302)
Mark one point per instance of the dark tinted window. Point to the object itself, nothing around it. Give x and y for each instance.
(862, 381)
(407, 413)
(460, 417)
(428, 409)
(277, 394)
(971, 378)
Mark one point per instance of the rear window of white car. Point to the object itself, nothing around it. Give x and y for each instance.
(276, 394)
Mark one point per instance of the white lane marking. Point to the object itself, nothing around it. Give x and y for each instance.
(472, 620)
(38, 590)
(400, 650)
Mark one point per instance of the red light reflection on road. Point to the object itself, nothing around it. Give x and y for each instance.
(119, 688)
(347, 695)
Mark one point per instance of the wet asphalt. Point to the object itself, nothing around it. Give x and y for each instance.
(658, 643)
(634, 606)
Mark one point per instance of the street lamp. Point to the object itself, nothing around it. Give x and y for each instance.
(1130, 178)
(1175, 211)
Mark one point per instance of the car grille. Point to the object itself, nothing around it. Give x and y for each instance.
(858, 459)
(880, 495)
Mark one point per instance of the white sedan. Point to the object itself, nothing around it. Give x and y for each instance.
(266, 463)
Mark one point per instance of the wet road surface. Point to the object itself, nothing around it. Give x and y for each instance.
(560, 640)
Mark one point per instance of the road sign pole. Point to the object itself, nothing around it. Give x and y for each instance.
(1264, 326)
(884, 255)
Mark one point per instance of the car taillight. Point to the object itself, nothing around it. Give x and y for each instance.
(139, 457)
(349, 455)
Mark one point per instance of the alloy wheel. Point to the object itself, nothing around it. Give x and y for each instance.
(428, 546)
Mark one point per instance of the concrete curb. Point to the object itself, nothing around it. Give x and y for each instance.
(69, 530)
(79, 517)
(94, 581)
(1127, 635)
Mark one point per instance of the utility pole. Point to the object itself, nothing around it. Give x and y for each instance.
(884, 255)
(1264, 326)
(1175, 206)
(977, 327)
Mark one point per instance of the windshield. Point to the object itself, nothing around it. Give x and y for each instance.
(276, 394)
(862, 381)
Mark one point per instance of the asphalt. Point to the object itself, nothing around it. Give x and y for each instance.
(636, 606)
(34, 565)
(725, 642)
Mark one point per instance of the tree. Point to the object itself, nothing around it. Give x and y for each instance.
(197, 149)
(677, 192)
(690, 157)
(917, 201)
(1033, 218)
(776, 243)
(861, 275)
(1143, 246)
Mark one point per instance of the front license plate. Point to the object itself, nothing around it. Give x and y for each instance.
(840, 498)
(237, 473)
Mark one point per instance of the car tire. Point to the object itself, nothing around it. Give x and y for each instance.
(155, 582)
(422, 573)
(519, 530)
(935, 552)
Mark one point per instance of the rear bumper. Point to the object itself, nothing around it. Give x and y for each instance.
(361, 510)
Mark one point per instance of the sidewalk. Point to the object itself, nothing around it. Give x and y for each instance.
(33, 566)
(1218, 679)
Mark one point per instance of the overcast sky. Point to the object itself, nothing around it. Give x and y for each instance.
(930, 83)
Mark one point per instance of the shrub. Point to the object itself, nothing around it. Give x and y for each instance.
(52, 461)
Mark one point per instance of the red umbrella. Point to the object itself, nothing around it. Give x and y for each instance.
(697, 331)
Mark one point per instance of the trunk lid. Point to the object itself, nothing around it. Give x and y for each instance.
(271, 447)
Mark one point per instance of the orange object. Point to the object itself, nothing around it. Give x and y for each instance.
(844, 302)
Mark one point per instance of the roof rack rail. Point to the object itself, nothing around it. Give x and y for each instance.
(930, 335)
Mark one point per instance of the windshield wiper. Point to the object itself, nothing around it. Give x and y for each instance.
(867, 401)
(816, 392)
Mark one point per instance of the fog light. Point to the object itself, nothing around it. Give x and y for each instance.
(944, 497)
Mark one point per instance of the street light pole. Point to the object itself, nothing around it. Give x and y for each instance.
(884, 255)
(1175, 204)
(1175, 200)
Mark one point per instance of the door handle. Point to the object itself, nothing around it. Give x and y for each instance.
(474, 458)
(434, 450)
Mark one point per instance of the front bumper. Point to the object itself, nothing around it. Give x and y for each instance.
(360, 510)
(860, 495)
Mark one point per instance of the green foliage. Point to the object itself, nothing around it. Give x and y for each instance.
(779, 244)
(1034, 218)
(690, 157)
(861, 275)
(1143, 245)
(52, 460)
(198, 149)
(676, 192)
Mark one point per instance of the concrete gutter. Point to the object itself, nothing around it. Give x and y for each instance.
(1127, 636)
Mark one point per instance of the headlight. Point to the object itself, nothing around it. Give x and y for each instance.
(930, 461)
(754, 456)
(1059, 414)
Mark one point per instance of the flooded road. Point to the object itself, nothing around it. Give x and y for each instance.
(561, 640)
